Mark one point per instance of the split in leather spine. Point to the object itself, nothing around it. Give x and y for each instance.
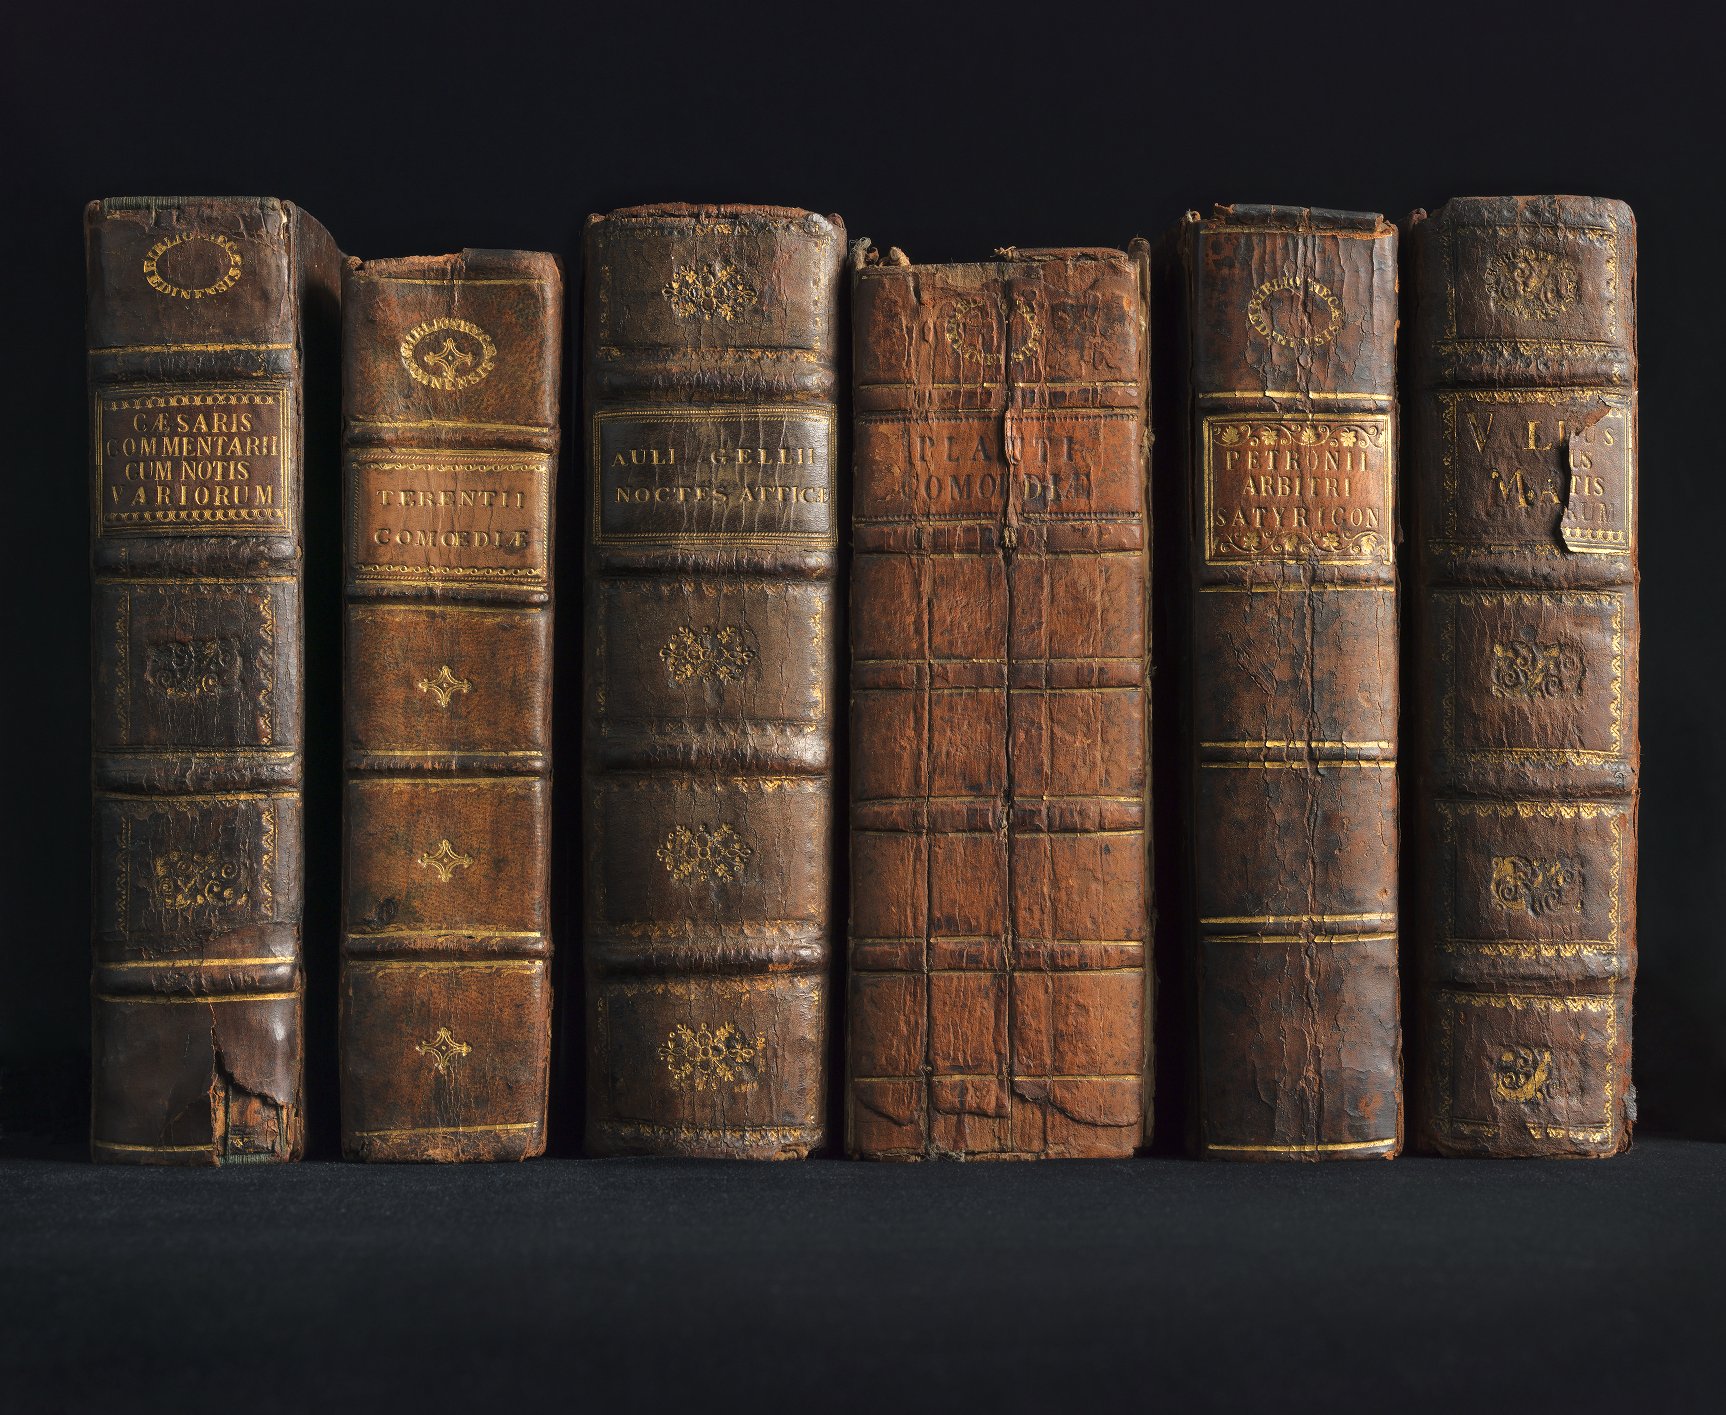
(1525, 665)
(452, 371)
(999, 929)
(711, 646)
(1290, 471)
(198, 308)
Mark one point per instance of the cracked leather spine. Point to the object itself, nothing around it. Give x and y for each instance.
(998, 981)
(452, 369)
(710, 653)
(198, 309)
(1290, 477)
(1525, 668)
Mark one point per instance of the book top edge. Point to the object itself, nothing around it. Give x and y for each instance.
(470, 262)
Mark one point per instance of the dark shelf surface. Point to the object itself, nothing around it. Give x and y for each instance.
(1150, 1284)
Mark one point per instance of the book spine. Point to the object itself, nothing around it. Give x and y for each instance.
(1523, 463)
(999, 924)
(710, 653)
(450, 416)
(195, 357)
(1292, 723)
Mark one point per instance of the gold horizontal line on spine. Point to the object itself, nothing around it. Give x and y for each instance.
(445, 751)
(455, 423)
(1303, 742)
(1551, 1002)
(1537, 392)
(207, 1148)
(1018, 383)
(175, 797)
(998, 938)
(996, 972)
(451, 280)
(450, 783)
(915, 387)
(1297, 393)
(450, 1129)
(1337, 233)
(683, 357)
(476, 930)
(202, 581)
(1317, 1148)
(392, 458)
(1301, 938)
(475, 577)
(934, 938)
(1300, 919)
(1586, 945)
(170, 964)
(1296, 766)
(1000, 687)
(1297, 588)
(1012, 1076)
(1580, 344)
(1026, 800)
(183, 348)
(249, 753)
(153, 998)
(514, 965)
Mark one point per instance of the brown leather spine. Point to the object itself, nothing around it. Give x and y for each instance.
(1291, 317)
(1523, 464)
(195, 365)
(451, 367)
(710, 664)
(999, 916)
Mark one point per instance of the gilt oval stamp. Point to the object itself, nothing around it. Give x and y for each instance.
(448, 354)
(1295, 312)
(193, 265)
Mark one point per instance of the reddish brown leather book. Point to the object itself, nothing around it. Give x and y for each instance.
(1523, 464)
(999, 865)
(197, 307)
(1290, 453)
(451, 366)
(710, 664)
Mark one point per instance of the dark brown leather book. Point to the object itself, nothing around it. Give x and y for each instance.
(710, 676)
(1525, 668)
(1290, 471)
(196, 316)
(999, 721)
(451, 367)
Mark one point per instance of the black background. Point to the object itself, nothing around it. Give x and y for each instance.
(947, 131)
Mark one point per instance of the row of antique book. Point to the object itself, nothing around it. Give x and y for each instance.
(997, 994)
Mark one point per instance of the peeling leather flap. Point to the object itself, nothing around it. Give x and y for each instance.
(1586, 454)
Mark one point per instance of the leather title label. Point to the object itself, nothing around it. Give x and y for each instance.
(965, 466)
(202, 459)
(1537, 471)
(1298, 488)
(739, 476)
(450, 517)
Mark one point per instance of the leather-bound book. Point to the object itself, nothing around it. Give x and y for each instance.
(1524, 668)
(198, 307)
(1290, 473)
(999, 720)
(451, 372)
(710, 643)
